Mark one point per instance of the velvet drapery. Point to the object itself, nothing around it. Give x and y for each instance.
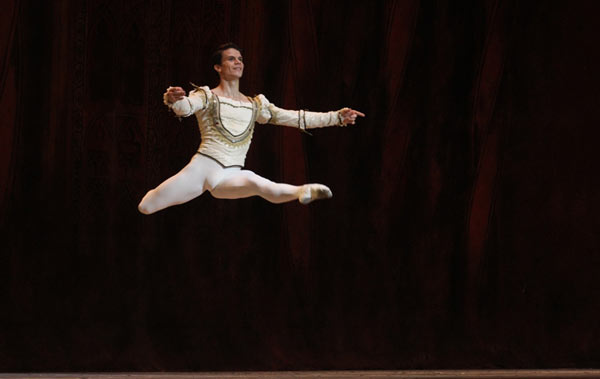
(463, 231)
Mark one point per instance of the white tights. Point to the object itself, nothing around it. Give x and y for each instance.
(203, 173)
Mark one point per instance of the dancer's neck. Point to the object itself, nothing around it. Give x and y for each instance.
(229, 88)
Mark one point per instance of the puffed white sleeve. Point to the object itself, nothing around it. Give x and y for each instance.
(196, 101)
(268, 113)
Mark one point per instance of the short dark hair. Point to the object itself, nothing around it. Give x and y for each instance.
(217, 56)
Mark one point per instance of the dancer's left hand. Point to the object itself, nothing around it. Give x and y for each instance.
(349, 116)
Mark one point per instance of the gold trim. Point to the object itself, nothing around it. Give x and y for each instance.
(235, 139)
(235, 106)
(216, 160)
(200, 89)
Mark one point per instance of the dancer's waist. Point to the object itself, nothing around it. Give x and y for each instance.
(225, 155)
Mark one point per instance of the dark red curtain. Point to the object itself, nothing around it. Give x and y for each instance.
(463, 231)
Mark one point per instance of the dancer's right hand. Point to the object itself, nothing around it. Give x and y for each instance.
(174, 94)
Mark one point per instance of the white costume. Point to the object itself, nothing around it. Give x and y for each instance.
(226, 126)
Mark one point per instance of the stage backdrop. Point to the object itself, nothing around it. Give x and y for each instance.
(463, 231)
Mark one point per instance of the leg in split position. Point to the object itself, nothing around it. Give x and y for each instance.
(245, 183)
(203, 173)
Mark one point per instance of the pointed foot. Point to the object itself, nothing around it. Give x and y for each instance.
(311, 192)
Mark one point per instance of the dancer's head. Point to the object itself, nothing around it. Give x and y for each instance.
(227, 60)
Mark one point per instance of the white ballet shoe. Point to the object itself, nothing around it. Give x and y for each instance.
(310, 192)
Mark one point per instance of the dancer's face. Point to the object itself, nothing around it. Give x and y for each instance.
(232, 64)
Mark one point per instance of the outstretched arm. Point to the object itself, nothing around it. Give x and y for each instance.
(182, 105)
(303, 120)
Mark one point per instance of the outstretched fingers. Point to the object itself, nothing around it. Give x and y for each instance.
(358, 113)
(349, 116)
(175, 94)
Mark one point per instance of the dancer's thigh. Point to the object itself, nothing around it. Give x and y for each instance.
(187, 184)
(239, 184)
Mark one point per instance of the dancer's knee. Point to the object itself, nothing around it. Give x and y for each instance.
(144, 208)
(144, 205)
